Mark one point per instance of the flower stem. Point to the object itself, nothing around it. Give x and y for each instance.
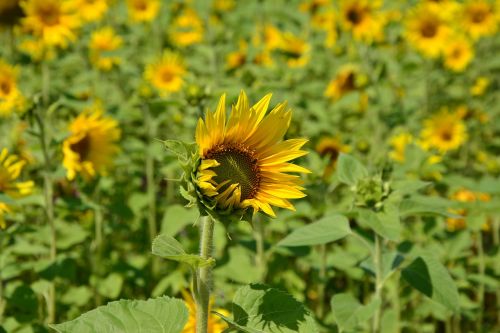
(377, 262)
(48, 189)
(204, 275)
(322, 281)
(150, 183)
(2, 303)
(481, 272)
(259, 244)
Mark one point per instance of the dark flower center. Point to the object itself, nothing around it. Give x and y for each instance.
(49, 14)
(167, 75)
(428, 29)
(354, 15)
(478, 16)
(82, 147)
(5, 87)
(446, 135)
(237, 166)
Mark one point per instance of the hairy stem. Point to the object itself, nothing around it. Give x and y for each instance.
(259, 241)
(322, 281)
(377, 263)
(481, 272)
(203, 277)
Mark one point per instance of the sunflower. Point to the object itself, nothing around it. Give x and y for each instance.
(427, 29)
(215, 323)
(479, 19)
(53, 21)
(464, 195)
(238, 58)
(269, 36)
(244, 160)
(187, 28)
(92, 144)
(444, 131)
(10, 170)
(166, 74)
(10, 12)
(458, 53)
(480, 86)
(326, 21)
(143, 10)
(346, 81)
(102, 41)
(11, 98)
(399, 143)
(91, 10)
(363, 19)
(331, 147)
(295, 49)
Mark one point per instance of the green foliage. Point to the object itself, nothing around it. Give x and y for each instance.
(167, 247)
(349, 313)
(159, 315)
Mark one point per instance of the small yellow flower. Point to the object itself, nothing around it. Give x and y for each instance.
(92, 145)
(331, 147)
(91, 10)
(458, 53)
(479, 18)
(53, 21)
(399, 143)
(480, 86)
(313, 6)
(223, 5)
(295, 49)
(244, 160)
(237, 58)
(443, 131)
(167, 73)
(215, 323)
(37, 50)
(326, 21)
(427, 30)
(187, 28)
(102, 41)
(143, 10)
(465, 196)
(270, 36)
(11, 99)
(344, 82)
(10, 170)
(363, 19)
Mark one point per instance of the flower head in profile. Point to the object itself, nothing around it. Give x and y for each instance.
(10, 170)
(143, 10)
(187, 28)
(331, 147)
(167, 73)
(479, 18)
(11, 99)
(91, 10)
(244, 161)
(443, 131)
(53, 21)
(92, 144)
(215, 323)
(427, 29)
(347, 80)
(363, 19)
(458, 53)
(101, 41)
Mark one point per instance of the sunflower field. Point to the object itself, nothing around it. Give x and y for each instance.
(258, 166)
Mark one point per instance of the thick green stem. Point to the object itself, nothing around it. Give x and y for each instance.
(2, 302)
(203, 277)
(150, 183)
(322, 281)
(377, 263)
(496, 242)
(48, 190)
(45, 83)
(481, 272)
(260, 260)
(98, 249)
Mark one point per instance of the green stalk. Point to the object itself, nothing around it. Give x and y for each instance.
(48, 190)
(2, 303)
(260, 260)
(481, 272)
(98, 249)
(496, 243)
(377, 263)
(322, 281)
(203, 283)
(150, 128)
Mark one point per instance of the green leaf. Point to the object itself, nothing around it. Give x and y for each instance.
(432, 279)
(176, 218)
(167, 247)
(350, 313)
(180, 149)
(258, 308)
(386, 223)
(422, 205)
(158, 315)
(404, 187)
(350, 170)
(111, 286)
(390, 262)
(326, 230)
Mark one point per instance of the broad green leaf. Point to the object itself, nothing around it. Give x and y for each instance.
(157, 315)
(350, 170)
(258, 308)
(169, 248)
(431, 278)
(421, 205)
(386, 223)
(349, 312)
(176, 218)
(111, 286)
(408, 186)
(390, 262)
(326, 230)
